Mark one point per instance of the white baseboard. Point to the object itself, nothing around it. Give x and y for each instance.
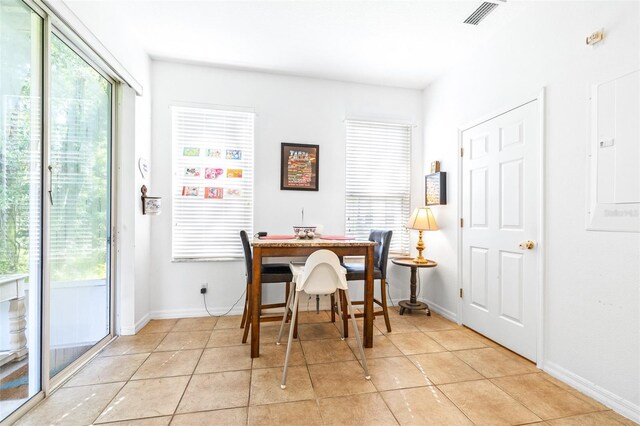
(616, 403)
(451, 316)
(192, 313)
(130, 331)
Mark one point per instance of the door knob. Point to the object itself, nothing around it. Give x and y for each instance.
(527, 245)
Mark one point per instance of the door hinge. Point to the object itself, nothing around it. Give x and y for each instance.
(461, 152)
(461, 293)
(461, 223)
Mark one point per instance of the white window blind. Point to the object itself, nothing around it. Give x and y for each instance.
(378, 187)
(212, 182)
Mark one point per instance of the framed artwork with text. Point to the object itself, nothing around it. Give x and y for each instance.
(299, 166)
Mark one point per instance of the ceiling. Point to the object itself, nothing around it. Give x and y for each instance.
(392, 43)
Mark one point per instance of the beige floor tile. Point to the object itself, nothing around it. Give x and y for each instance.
(557, 382)
(444, 367)
(127, 345)
(594, 419)
(145, 398)
(423, 406)
(485, 403)
(573, 391)
(617, 417)
(108, 370)
(326, 350)
(432, 323)
(481, 338)
(232, 321)
(183, 340)
(491, 363)
(159, 326)
(195, 324)
(545, 399)
(398, 325)
(362, 409)
(168, 364)
(382, 348)
(312, 317)
(455, 340)
(360, 324)
(339, 378)
(213, 391)
(150, 421)
(597, 406)
(227, 337)
(227, 417)
(272, 355)
(269, 333)
(318, 331)
(287, 413)
(395, 373)
(265, 385)
(215, 360)
(415, 343)
(72, 406)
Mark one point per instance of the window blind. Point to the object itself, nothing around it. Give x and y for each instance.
(378, 181)
(212, 182)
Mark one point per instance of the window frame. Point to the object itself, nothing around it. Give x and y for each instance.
(405, 245)
(174, 180)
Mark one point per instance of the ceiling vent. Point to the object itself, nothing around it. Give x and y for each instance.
(480, 13)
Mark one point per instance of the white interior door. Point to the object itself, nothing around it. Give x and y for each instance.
(500, 212)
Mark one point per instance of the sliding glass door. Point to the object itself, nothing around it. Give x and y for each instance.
(56, 121)
(21, 91)
(79, 194)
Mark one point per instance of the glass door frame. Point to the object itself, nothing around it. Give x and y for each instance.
(52, 24)
(53, 383)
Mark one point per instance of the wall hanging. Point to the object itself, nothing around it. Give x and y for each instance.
(150, 205)
(299, 166)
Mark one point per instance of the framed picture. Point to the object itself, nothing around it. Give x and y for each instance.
(435, 188)
(299, 166)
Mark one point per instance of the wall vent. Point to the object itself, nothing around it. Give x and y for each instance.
(480, 13)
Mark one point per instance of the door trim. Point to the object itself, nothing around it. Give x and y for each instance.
(540, 198)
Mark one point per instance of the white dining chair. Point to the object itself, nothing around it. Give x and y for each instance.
(320, 274)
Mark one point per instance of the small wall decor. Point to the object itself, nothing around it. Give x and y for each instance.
(143, 166)
(435, 186)
(150, 205)
(299, 166)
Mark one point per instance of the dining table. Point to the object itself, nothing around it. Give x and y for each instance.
(270, 247)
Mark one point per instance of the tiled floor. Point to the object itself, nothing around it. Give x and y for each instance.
(428, 370)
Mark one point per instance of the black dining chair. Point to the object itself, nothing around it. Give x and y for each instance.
(271, 273)
(355, 272)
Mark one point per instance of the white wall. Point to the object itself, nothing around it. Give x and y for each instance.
(289, 109)
(101, 18)
(592, 299)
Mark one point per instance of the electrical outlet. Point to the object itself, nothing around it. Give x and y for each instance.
(204, 288)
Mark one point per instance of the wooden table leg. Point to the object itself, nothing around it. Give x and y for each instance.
(256, 290)
(368, 298)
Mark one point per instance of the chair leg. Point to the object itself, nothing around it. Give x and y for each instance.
(339, 308)
(357, 333)
(383, 299)
(345, 313)
(333, 307)
(294, 320)
(245, 333)
(246, 307)
(286, 314)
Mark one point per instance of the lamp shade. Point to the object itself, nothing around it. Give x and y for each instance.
(422, 219)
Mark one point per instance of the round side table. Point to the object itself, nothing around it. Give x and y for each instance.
(413, 304)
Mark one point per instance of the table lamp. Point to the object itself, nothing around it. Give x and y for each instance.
(422, 219)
